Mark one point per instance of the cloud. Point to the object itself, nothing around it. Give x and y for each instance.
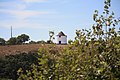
(24, 24)
(20, 10)
(19, 4)
(12, 5)
(23, 14)
(20, 16)
(34, 1)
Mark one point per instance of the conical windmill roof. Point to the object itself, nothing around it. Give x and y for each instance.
(61, 34)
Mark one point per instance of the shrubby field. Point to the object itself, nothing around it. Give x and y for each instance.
(13, 57)
(26, 48)
(93, 55)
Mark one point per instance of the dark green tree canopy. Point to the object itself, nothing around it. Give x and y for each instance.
(2, 41)
(18, 40)
(22, 38)
(12, 41)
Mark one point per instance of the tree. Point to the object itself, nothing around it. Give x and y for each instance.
(12, 41)
(32, 42)
(51, 34)
(18, 40)
(2, 41)
(106, 22)
(22, 38)
(41, 42)
(70, 41)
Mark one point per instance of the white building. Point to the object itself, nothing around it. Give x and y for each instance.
(61, 38)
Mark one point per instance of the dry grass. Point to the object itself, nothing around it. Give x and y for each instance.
(17, 49)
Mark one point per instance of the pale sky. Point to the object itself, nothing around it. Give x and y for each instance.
(37, 17)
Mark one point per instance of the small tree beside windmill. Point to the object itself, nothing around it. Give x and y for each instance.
(51, 35)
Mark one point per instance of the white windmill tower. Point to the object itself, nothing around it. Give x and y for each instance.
(61, 38)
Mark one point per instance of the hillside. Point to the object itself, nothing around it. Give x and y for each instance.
(17, 49)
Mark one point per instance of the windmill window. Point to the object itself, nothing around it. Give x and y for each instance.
(59, 36)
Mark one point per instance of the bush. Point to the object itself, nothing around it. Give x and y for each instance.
(94, 55)
(91, 62)
(41, 42)
(12, 41)
(2, 41)
(10, 64)
(32, 42)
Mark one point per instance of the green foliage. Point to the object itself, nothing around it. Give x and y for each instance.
(18, 40)
(49, 42)
(45, 66)
(2, 41)
(41, 42)
(10, 64)
(12, 41)
(96, 61)
(70, 41)
(32, 42)
(106, 22)
(51, 34)
(38, 42)
(22, 38)
(94, 55)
